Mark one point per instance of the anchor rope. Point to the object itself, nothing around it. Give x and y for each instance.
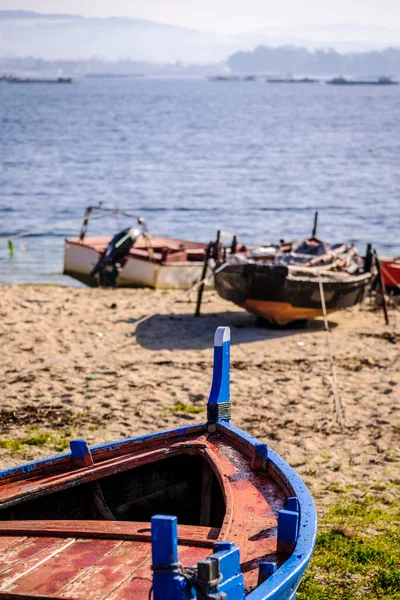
(190, 574)
(62, 358)
(335, 387)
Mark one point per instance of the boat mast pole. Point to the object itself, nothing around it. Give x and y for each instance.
(381, 287)
(88, 212)
(203, 276)
(314, 231)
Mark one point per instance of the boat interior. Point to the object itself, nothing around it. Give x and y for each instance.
(153, 248)
(184, 485)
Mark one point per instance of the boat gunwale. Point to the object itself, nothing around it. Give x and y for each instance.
(287, 577)
(306, 274)
(99, 452)
(161, 263)
(109, 530)
(290, 572)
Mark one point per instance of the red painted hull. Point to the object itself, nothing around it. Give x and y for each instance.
(390, 269)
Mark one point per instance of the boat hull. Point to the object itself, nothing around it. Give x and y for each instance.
(80, 259)
(92, 523)
(71, 554)
(281, 295)
(390, 269)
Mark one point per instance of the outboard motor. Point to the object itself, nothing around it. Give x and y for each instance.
(115, 257)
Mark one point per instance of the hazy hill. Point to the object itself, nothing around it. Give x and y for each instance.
(320, 62)
(72, 37)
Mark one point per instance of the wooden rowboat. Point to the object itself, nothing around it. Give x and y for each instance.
(152, 261)
(91, 524)
(155, 262)
(282, 286)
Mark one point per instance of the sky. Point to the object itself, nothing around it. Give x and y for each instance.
(227, 16)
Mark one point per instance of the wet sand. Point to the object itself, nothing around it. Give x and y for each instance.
(74, 363)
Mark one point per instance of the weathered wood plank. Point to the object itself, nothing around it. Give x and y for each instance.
(24, 567)
(116, 530)
(135, 589)
(7, 541)
(12, 596)
(189, 557)
(54, 574)
(110, 572)
(138, 587)
(27, 548)
(206, 491)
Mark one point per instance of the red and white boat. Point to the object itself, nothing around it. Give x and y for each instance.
(390, 270)
(136, 259)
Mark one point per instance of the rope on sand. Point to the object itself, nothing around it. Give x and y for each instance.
(335, 387)
(62, 358)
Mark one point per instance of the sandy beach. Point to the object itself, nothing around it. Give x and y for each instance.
(75, 364)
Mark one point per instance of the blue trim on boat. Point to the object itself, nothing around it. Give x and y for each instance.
(179, 431)
(29, 468)
(283, 583)
(220, 391)
(59, 459)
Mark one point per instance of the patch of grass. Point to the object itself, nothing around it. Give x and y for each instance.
(12, 444)
(182, 407)
(357, 554)
(325, 454)
(55, 440)
(387, 582)
(54, 416)
(310, 472)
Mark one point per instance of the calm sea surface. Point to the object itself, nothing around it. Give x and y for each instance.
(193, 157)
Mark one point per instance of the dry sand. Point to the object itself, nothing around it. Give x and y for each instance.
(91, 372)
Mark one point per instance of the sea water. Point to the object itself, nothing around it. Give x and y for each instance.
(192, 157)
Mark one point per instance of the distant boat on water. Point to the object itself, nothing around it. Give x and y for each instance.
(380, 81)
(41, 80)
(292, 80)
(114, 75)
(225, 78)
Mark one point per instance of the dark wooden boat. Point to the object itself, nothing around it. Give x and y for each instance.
(282, 293)
(91, 524)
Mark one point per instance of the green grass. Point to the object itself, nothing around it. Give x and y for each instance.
(182, 407)
(357, 554)
(55, 440)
